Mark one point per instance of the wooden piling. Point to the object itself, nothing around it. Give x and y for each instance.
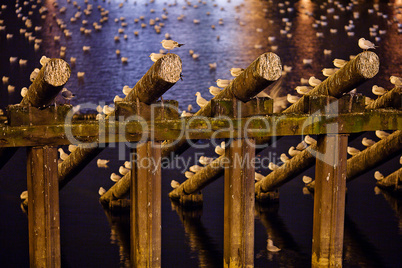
(43, 208)
(391, 98)
(363, 67)
(329, 201)
(238, 247)
(146, 206)
(162, 75)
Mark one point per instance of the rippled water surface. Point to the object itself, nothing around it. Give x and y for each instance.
(92, 238)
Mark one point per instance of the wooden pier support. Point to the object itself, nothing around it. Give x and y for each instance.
(146, 206)
(238, 249)
(43, 207)
(329, 201)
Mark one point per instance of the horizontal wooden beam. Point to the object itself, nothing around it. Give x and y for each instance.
(199, 128)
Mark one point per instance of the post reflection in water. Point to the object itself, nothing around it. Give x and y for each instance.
(198, 238)
(357, 248)
(119, 222)
(290, 254)
(395, 202)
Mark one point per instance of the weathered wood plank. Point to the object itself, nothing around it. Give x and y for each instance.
(392, 182)
(238, 247)
(329, 201)
(43, 207)
(146, 220)
(198, 128)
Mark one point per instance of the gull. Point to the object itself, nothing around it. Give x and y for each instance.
(368, 142)
(292, 99)
(307, 179)
(212, 65)
(24, 195)
(307, 61)
(292, 151)
(5, 79)
(329, 71)
(124, 59)
(314, 81)
(80, 75)
(271, 247)
(86, 48)
(72, 148)
(170, 44)
(126, 90)
(339, 63)
(189, 107)
(352, 151)
(284, 158)
(127, 164)
(378, 176)
(309, 140)
(301, 146)
(107, 110)
(200, 100)
(381, 134)
(236, 71)
(22, 62)
(63, 155)
(195, 56)
(204, 160)
(10, 88)
(258, 176)
(24, 91)
(155, 56)
(378, 90)
(101, 191)
(397, 81)
(114, 177)
(43, 60)
(272, 166)
(102, 162)
(400, 160)
(365, 44)
(174, 184)
(195, 168)
(303, 89)
(219, 150)
(117, 98)
(185, 114)
(67, 94)
(214, 90)
(73, 60)
(123, 170)
(99, 109)
(13, 59)
(223, 83)
(287, 69)
(188, 174)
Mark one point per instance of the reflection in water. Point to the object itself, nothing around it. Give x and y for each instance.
(120, 234)
(199, 240)
(290, 254)
(357, 248)
(395, 203)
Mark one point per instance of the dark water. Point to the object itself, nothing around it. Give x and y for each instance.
(89, 238)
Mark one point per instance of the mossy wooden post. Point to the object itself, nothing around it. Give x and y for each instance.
(146, 205)
(43, 207)
(238, 247)
(329, 201)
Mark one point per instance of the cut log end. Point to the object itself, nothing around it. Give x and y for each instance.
(368, 64)
(56, 72)
(269, 66)
(170, 68)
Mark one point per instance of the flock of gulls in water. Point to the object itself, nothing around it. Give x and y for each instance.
(83, 13)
